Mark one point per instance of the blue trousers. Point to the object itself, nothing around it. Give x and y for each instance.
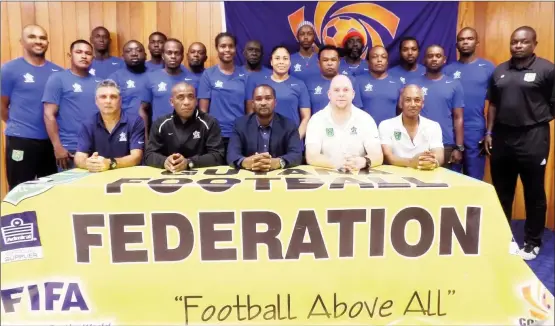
(473, 163)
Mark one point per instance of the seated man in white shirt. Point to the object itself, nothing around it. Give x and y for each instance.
(342, 136)
(409, 139)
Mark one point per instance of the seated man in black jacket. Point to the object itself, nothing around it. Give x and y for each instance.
(264, 140)
(186, 138)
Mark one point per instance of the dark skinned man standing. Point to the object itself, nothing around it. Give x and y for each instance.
(518, 136)
(444, 100)
(103, 63)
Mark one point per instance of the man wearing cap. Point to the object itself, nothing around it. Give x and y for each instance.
(304, 63)
(353, 44)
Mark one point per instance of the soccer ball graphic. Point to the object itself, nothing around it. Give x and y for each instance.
(336, 29)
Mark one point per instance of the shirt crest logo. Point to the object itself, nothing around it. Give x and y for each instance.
(369, 87)
(219, 84)
(92, 71)
(318, 90)
(402, 79)
(77, 88)
(457, 75)
(162, 87)
(123, 136)
(130, 84)
(424, 91)
(29, 78)
(354, 130)
(397, 135)
(329, 132)
(196, 134)
(297, 67)
(529, 76)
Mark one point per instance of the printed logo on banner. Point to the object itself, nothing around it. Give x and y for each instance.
(36, 187)
(540, 305)
(332, 26)
(20, 239)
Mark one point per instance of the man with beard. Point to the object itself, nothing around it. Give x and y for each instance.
(304, 63)
(132, 78)
(444, 104)
(253, 53)
(379, 90)
(110, 139)
(409, 139)
(521, 95)
(342, 136)
(318, 85)
(156, 42)
(353, 43)
(474, 74)
(409, 69)
(29, 152)
(68, 101)
(196, 58)
(264, 140)
(156, 96)
(103, 63)
(186, 138)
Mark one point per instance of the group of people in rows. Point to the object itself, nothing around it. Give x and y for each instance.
(316, 106)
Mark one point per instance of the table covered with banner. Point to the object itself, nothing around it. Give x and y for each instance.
(301, 246)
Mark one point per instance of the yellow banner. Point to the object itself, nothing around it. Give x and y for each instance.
(300, 246)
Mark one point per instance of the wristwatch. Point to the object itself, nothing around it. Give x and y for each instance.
(460, 148)
(113, 163)
(282, 163)
(368, 162)
(191, 165)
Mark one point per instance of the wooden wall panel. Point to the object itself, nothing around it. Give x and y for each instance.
(201, 21)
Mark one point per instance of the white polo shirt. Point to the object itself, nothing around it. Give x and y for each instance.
(394, 134)
(354, 137)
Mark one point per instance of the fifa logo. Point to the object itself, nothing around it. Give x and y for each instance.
(332, 26)
(18, 232)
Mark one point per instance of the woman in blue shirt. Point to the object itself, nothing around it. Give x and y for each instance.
(293, 100)
(221, 90)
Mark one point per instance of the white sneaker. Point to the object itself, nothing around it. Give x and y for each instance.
(514, 248)
(529, 252)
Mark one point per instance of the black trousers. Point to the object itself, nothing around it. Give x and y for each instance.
(226, 143)
(522, 151)
(28, 159)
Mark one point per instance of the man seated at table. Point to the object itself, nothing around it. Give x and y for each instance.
(187, 138)
(409, 139)
(342, 136)
(110, 139)
(264, 140)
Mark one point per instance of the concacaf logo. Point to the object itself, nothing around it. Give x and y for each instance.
(331, 27)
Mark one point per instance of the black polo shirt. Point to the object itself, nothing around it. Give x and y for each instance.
(523, 94)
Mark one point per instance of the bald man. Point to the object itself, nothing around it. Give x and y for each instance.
(196, 58)
(409, 139)
(518, 136)
(103, 63)
(29, 152)
(342, 136)
(185, 139)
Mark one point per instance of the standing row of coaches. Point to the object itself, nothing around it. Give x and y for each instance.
(308, 90)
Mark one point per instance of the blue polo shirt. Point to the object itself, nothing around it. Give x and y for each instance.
(158, 89)
(132, 85)
(407, 77)
(318, 87)
(354, 70)
(128, 134)
(24, 83)
(441, 97)
(303, 68)
(291, 95)
(104, 68)
(75, 98)
(151, 66)
(474, 78)
(379, 96)
(226, 94)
